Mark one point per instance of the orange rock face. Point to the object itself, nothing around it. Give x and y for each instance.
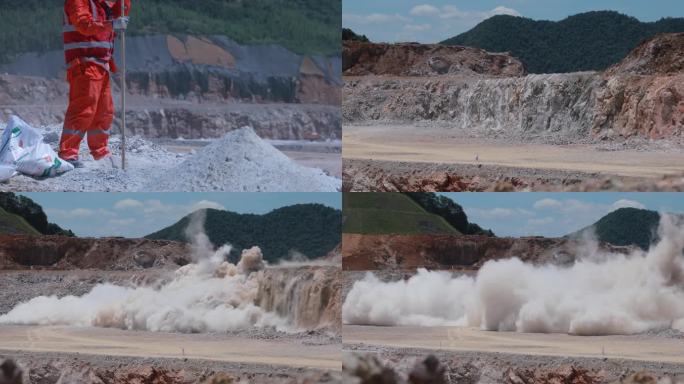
(412, 59)
(408, 252)
(65, 253)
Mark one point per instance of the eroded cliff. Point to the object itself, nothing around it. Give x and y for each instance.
(642, 96)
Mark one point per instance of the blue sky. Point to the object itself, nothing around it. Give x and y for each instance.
(554, 214)
(431, 21)
(139, 214)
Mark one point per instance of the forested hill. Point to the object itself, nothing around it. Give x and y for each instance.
(626, 226)
(311, 229)
(587, 41)
(303, 26)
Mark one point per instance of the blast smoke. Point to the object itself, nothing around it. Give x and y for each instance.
(209, 295)
(601, 294)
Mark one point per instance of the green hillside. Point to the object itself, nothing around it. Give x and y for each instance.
(311, 229)
(15, 225)
(19, 214)
(587, 41)
(449, 210)
(389, 213)
(303, 26)
(349, 35)
(627, 226)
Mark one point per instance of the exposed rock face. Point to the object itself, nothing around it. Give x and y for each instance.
(661, 55)
(280, 122)
(643, 96)
(371, 252)
(412, 59)
(635, 105)
(55, 252)
(41, 101)
(309, 297)
(210, 68)
(531, 105)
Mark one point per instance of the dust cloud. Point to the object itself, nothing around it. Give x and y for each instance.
(601, 294)
(209, 295)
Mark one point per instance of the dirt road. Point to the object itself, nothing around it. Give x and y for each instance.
(432, 145)
(641, 347)
(214, 347)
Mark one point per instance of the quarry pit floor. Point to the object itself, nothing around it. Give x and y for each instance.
(157, 345)
(423, 147)
(641, 348)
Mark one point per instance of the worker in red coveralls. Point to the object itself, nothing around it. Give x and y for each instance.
(89, 52)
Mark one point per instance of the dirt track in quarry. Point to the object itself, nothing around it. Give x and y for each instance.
(417, 144)
(638, 348)
(213, 347)
(383, 158)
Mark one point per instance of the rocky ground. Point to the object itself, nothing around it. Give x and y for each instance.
(376, 364)
(238, 162)
(51, 368)
(363, 175)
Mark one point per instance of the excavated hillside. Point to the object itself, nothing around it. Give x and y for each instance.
(643, 96)
(208, 68)
(413, 59)
(19, 252)
(408, 252)
(194, 87)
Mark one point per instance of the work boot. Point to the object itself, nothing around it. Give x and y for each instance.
(76, 163)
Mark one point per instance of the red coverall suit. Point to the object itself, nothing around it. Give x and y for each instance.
(88, 49)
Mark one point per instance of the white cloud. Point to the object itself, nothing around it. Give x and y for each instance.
(547, 203)
(452, 12)
(501, 10)
(128, 204)
(374, 18)
(497, 213)
(76, 213)
(625, 203)
(426, 23)
(424, 10)
(206, 204)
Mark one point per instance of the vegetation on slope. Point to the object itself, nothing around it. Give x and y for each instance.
(349, 35)
(19, 214)
(450, 211)
(310, 229)
(12, 224)
(303, 26)
(627, 226)
(389, 213)
(587, 41)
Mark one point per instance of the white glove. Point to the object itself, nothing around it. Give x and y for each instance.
(121, 23)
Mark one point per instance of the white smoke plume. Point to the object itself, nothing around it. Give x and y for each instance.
(602, 295)
(209, 295)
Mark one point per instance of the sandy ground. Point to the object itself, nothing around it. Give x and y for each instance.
(641, 347)
(216, 347)
(432, 145)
